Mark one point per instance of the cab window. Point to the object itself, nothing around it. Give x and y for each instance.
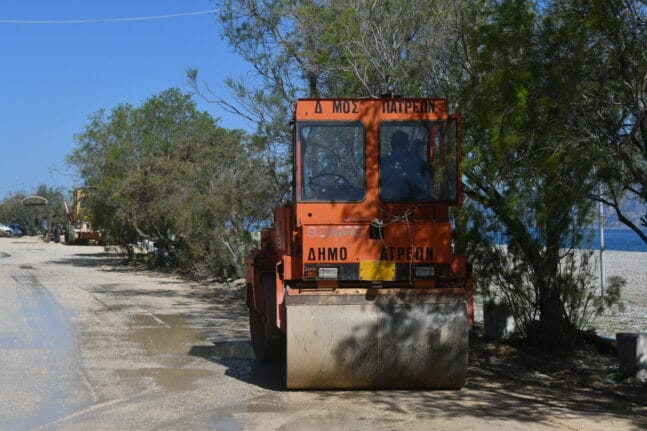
(332, 162)
(418, 162)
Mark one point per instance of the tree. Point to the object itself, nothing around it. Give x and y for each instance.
(611, 114)
(166, 172)
(31, 218)
(528, 168)
(516, 77)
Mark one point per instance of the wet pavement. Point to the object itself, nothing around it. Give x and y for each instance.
(89, 344)
(36, 331)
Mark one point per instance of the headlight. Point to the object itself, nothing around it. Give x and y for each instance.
(329, 273)
(424, 271)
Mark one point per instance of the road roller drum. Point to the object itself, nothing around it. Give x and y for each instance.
(387, 341)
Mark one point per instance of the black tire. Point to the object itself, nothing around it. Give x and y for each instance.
(267, 340)
(69, 234)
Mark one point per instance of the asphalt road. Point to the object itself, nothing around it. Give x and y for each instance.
(89, 344)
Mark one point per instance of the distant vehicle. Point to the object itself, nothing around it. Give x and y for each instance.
(16, 230)
(5, 230)
(79, 230)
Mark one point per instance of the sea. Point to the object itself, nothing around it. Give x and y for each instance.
(614, 239)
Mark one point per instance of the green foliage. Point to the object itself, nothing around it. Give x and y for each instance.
(611, 112)
(523, 76)
(530, 168)
(166, 173)
(31, 218)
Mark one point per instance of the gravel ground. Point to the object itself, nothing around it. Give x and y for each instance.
(632, 266)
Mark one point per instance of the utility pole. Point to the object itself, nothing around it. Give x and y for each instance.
(601, 224)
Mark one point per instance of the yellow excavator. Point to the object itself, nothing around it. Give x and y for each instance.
(79, 229)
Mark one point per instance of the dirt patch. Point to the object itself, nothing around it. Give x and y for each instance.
(584, 369)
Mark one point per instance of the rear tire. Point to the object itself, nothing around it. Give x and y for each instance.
(267, 340)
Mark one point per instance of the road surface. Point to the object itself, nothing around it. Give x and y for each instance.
(89, 344)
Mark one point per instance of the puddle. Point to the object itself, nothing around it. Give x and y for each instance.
(266, 404)
(158, 339)
(26, 267)
(48, 322)
(145, 320)
(227, 424)
(224, 349)
(168, 379)
(167, 340)
(40, 360)
(176, 319)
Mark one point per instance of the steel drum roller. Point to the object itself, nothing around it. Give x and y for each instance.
(387, 341)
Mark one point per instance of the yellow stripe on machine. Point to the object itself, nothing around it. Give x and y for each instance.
(377, 270)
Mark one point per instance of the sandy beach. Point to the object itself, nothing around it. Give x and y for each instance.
(633, 267)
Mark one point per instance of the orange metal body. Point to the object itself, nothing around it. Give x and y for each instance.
(343, 234)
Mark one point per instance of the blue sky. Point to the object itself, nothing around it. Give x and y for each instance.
(53, 76)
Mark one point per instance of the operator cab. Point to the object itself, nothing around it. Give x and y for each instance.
(416, 161)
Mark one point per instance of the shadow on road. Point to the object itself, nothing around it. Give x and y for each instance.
(238, 357)
(111, 261)
(497, 388)
(500, 390)
(218, 308)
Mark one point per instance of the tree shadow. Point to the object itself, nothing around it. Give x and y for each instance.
(496, 388)
(219, 311)
(404, 343)
(500, 389)
(217, 308)
(101, 260)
